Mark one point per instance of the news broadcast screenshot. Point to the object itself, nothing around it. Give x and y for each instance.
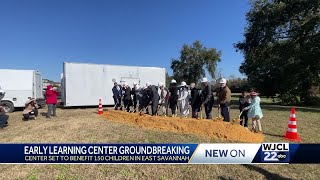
(149, 89)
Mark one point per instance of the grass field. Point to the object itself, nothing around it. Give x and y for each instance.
(85, 126)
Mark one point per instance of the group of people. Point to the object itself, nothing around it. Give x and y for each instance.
(30, 111)
(161, 98)
(181, 97)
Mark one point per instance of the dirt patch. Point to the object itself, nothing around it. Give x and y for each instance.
(205, 128)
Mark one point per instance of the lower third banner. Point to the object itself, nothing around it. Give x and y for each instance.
(272, 153)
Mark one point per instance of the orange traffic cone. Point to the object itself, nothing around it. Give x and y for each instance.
(292, 132)
(100, 109)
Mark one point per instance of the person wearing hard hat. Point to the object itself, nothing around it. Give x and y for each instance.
(173, 100)
(195, 100)
(163, 93)
(207, 97)
(224, 98)
(183, 100)
(255, 112)
(127, 101)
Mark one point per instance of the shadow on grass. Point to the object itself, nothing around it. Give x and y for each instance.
(268, 175)
(274, 135)
(224, 178)
(288, 108)
(281, 108)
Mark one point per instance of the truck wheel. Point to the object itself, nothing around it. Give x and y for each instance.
(7, 106)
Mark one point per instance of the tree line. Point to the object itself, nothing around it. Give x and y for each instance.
(281, 50)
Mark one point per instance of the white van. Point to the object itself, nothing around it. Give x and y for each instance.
(20, 86)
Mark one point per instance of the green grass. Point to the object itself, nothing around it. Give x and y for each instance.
(83, 125)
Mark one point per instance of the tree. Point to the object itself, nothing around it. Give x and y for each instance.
(193, 62)
(282, 48)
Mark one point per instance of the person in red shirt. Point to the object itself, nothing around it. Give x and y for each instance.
(51, 101)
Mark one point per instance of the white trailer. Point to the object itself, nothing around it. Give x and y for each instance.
(84, 84)
(19, 86)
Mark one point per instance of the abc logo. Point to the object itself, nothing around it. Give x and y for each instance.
(281, 156)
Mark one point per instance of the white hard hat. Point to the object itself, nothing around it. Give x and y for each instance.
(183, 83)
(223, 81)
(148, 84)
(134, 83)
(173, 81)
(203, 80)
(137, 87)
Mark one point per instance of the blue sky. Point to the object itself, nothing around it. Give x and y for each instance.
(42, 34)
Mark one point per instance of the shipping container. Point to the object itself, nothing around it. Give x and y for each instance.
(20, 86)
(84, 84)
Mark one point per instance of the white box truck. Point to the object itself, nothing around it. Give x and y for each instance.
(84, 84)
(19, 86)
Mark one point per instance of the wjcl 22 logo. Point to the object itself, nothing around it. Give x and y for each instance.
(275, 152)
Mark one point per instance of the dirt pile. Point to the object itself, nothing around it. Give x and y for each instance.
(205, 128)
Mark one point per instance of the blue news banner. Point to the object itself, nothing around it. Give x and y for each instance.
(235, 153)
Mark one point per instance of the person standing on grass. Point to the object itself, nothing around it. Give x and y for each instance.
(127, 101)
(154, 96)
(31, 109)
(134, 96)
(224, 98)
(255, 112)
(195, 100)
(173, 101)
(117, 94)
(207, 98)
(183, 100)
(51, 101)
(243, 102)
(163, 93)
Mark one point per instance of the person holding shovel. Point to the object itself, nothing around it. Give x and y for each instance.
(195, 100)
(173, 101)
(224, 98)
(207, 97)
(183, 100)
(255, 112)
(243, 102)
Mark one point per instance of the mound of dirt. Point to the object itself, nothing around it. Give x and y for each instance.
(205, 128)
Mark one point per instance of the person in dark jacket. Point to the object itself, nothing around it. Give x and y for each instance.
(51, 100)
(134, 96)
(243, 102)
(195, 100)
(207, 98)
(117, 94)
(173, 100)
(154, 96)
(144, 99)
(127, 100)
